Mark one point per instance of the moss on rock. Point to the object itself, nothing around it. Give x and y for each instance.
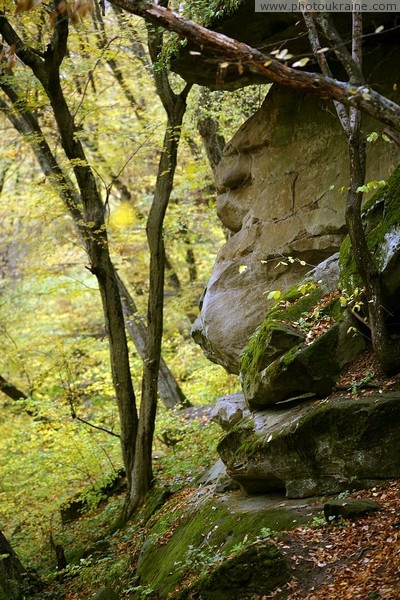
(381, 216)
(260, 567)
(201, 539)
(313, 449)
(275, 335)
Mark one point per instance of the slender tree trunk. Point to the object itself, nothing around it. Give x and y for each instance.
(351, 119)
(386, 353)
(87, 211)
(168, 388)
(175, 107)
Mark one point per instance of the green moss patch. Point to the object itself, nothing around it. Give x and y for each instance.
(381, 215)
(188, 544)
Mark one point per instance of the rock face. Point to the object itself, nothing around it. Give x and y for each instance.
(300, 349)
(311, 369)
(279, 183)
(229, 410)
(312, 449)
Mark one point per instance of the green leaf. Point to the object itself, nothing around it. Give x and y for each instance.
(372, 137)
(274, 295)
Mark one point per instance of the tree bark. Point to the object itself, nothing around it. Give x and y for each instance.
(11, 572)
(11, 390)
(168, 388)
(207, 126)
(386, 353)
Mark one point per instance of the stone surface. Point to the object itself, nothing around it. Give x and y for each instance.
(311, 369)
(349, 508)
(229, 410)
(327, 272)
(201, 534)
(316, 448)
(217, 477)
(279, 183)
(281, 361)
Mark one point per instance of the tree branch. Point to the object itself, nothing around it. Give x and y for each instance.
(353, 68)
(227, 49)
(11, 390)
(74, 416)
(28, 55)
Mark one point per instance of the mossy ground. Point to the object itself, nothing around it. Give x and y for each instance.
(200, 536)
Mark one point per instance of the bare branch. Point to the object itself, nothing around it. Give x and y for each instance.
(353, 68)
(227, 49)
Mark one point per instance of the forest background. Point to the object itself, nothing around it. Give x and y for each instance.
(59, 426)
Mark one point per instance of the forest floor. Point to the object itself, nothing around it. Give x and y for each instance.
(350, 560)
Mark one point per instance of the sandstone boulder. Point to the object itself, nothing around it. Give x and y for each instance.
(279, 183)
(316, 448)
(311, 369)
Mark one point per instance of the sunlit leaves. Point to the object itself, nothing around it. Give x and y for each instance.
(282, 54)
(123, 215)
(371, 186)
(301, 62)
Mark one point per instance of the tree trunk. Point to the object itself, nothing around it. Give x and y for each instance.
(11, 391)
(168, 388)
(175, 107)
(11, 572)
(387, 354)
(87, 210)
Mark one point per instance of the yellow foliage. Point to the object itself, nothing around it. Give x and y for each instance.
(123, 215)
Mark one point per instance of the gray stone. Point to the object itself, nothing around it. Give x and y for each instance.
(229, 409)
(288, 203)
(349, 508)
(327, 272)
(217, 477)
(316, 448)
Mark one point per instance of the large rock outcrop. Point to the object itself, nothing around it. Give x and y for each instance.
(279, 183)
(316, 448)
